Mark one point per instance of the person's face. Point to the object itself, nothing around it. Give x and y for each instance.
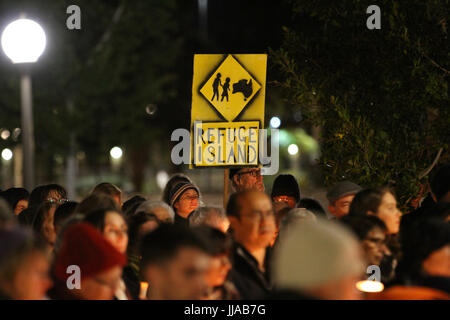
(118, 199)
(374, 246)
(48, 227)
(116, 231)
(291, 202)
(389, 213)
(187, 203)
(341, 206)
(31, 280)
(255, 226)
(20, 206)
(218, 270)
(249, 179)
(101, 286)
(181, 278)
(438, 262)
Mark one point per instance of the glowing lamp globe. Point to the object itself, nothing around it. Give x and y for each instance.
(23, 41)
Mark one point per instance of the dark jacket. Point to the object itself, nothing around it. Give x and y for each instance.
(251, 283)
(59, 291)
(131, 277)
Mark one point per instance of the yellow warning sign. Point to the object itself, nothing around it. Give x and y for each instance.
(228, 95)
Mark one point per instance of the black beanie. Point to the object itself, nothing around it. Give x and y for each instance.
(286, 185)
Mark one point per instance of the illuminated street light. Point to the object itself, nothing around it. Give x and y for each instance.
(116, 153)
(275, 122)
(7, 154)
(293, 149)
(24, 41)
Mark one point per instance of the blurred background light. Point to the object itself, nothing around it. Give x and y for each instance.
(293, 149)
(7, 154)
(369, 286)
(275, 122)
(5, 134)
(161, 179)
(116, 153)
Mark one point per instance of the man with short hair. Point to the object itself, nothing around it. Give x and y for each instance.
(252, 221)
(109, 190)
(174, 263)
(340, 196)
(246, 179)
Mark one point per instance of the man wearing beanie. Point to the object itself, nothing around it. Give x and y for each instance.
(285, 189)
(100, 266)
(340, 196)
(319, 260)
(184, 199)
(243, 179)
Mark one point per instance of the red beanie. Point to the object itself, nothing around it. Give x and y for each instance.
(85, 246)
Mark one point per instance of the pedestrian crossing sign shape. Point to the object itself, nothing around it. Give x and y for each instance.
(228, 95)
(230, 88)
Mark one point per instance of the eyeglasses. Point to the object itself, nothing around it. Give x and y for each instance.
(56, 201)
(255, 173)
(190, 198)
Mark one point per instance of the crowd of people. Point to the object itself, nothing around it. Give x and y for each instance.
(260, 246)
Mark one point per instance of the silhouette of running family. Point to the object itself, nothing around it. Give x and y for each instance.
(244, 86)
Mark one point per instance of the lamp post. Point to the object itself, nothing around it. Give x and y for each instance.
(23, 41)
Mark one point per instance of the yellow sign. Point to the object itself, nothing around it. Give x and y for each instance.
(228, 94)
(226, 143)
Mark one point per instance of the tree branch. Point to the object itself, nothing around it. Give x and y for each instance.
(428, 170)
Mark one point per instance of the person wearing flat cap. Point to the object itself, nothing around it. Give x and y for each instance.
(340, 196)
(184, 199)
(243, 179)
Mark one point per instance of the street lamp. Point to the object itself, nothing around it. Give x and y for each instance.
(23, 41)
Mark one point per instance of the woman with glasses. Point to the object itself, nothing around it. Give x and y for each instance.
(371, 232)
(52, 193)
(184, 199)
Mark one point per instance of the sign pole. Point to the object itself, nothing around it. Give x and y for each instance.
(225, 187)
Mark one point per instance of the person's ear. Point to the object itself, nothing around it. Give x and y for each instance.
(332, 209)
(235, 179)
(176, 205)
(233, 221)
(152, 275)
(371, 213)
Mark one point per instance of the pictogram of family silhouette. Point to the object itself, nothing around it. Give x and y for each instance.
(243, 86)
